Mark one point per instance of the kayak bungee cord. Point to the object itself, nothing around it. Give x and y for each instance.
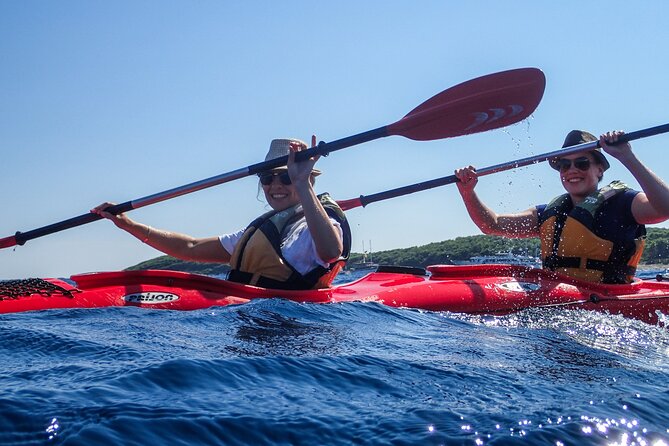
(14, 289)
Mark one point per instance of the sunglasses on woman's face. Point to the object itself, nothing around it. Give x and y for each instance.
(562, 164)
(268, 177)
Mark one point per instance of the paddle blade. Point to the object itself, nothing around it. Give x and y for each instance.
(351, 203)
(481, 104)
(7, 242)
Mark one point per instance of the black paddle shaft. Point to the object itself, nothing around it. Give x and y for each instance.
(478, 105)
(322, 148)
(450, 179)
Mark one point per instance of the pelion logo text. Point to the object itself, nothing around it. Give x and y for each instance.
(151, 297)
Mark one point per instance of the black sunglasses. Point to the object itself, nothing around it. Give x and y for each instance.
(562, 164)
(266, 178)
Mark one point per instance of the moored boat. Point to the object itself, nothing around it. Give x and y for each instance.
(473, 289)
(506, 258)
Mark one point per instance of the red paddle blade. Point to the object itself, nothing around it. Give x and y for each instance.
(351, 203)
(481, 104)
(7, 242)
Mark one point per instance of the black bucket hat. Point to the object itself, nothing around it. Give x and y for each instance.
(576, 137)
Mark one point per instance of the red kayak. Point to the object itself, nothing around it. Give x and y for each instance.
(473, 289)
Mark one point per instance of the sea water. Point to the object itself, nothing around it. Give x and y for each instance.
(279, 372)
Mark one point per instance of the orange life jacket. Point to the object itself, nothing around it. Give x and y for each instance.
(570, 246)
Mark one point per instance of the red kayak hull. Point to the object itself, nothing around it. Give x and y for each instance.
(473, 289)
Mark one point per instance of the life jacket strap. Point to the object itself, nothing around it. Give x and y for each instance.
(553, 262)
(612, 272)
(295, 282)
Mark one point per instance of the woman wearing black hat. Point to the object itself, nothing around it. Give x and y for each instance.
(588, 233)
(300, 244)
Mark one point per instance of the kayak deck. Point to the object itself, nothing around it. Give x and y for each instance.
(474, 289)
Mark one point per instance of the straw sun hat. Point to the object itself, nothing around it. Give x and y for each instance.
(281, 147)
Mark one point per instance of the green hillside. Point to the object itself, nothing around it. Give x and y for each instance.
(445, 252)
(170, 263)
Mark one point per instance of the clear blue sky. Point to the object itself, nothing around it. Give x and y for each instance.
(117, 100)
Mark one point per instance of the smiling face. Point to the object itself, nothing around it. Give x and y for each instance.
(577, 182)
(280, 196)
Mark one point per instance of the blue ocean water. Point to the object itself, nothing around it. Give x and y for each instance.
(279, 372)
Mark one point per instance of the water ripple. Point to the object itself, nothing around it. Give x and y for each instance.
(278, 372)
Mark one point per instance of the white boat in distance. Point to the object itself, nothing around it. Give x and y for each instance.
(507, 258)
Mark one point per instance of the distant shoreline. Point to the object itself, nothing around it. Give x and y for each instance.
(653, 266)
(447, 252)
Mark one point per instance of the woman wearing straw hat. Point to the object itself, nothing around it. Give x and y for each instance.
(300, 244)
(588, 233)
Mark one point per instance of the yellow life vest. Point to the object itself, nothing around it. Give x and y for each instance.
(569, 244)
(257, 258)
